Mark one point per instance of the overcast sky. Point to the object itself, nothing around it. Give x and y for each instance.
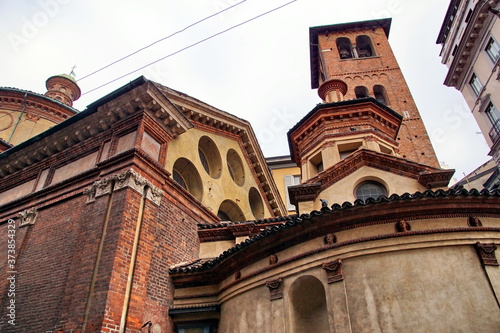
(258, 71)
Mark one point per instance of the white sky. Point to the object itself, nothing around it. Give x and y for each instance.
(258, 71)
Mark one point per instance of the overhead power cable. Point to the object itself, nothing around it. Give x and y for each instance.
(162, 39)
(191, 45)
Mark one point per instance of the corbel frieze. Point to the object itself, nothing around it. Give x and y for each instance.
(486, 253)
(333, 270)
(28, 217)
(275, 288)
(127, 179)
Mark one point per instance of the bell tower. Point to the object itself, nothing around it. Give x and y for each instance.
(354, 61)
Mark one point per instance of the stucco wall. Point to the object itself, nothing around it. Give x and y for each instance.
(250, 312)
(442, 289)
(417, 283)
(24, 128)
(343, 190)
(216, 190)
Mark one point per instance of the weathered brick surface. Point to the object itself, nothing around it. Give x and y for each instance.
(59, 253)
(43, 265)
(381, 69)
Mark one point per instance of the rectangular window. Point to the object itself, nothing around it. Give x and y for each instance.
(469, 15)
(475, 84)
(493, 50)
(290, 180)
(494, 118)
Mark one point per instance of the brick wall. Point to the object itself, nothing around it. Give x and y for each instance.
(46, 251)
(382, 69)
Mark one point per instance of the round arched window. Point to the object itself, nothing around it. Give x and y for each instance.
(370, 189)
(229, 211)
(186, 175)
(210, 157)
(256, 203)
(235, 167)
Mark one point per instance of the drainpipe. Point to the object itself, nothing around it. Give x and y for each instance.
(19, 118)
(98, 258)
(128, 289)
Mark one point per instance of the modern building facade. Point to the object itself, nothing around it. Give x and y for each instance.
(470, 39)
(151, 211)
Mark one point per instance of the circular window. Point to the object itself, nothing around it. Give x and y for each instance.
(235, 167)
(256, 203)
(370, 189)
(210, 157)
(186, 175)
(229, 211)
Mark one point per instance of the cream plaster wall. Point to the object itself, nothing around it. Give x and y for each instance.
(417, 283)
(214, 249)
(215, 191)
(26, 128)
(331, 154)
(442, 289)
(483, 68)
(343, 190)
(279, 179)
(250, 312)
(435, 283)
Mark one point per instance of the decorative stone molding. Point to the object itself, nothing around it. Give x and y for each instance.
(103, 186)
(273, 259)
(330, 239)
(333, 270)
(241, 229)
(128, 179)
(403, 226)
(473, 221)
(275, 289)
(90, 193)
(486, 253)
(28, 217)
(303, 192)
(154, 194)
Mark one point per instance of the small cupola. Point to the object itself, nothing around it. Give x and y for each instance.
(62, 88)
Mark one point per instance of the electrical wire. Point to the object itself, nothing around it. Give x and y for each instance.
(162, 39)
(191, 45)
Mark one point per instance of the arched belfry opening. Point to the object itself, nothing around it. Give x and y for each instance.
(345, 48)
(308, 305)
(364, 46)
(380, 94)
(361, 92)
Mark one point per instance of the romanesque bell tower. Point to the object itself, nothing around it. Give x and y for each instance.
(353, 61)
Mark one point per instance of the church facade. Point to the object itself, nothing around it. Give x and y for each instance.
(151, 211)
